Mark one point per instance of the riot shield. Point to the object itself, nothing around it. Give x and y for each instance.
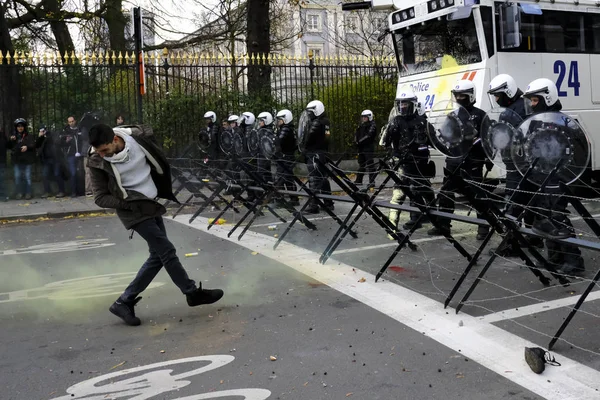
(204, 141)
(227, 141)
(393, 114)
(268, 143)
(498, 131)
(238, 142)
(303, 128)
(453, 132)
(253, 142)
(551, 138)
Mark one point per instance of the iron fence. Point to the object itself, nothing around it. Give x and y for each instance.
(181, 87)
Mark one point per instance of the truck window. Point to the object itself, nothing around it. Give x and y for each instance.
(425, 47)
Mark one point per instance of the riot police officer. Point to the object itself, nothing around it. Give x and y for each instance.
(364, 138)
(316, 145)
(407, 137)
(551, 220)
(265, 125)
(287, 145)
(506, 93)
(245, 125)
(472, 162)
(213, 130)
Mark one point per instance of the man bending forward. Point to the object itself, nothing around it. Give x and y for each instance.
(128, 172)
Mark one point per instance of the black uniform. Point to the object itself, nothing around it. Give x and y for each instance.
(262, 162)
(364, 137)
(513, 177)
(566, 258)
(286, 141)
(316, 146)
(409, 139)
(214, 152)
(473, 164)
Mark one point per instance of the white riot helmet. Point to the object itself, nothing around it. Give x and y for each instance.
(211, 115)
(265, 117)
(285, 115)
(247, 118)
(232, 118)
(420, 109)
(406, 102)
(545, 90)
(315, 107)
(467, 88)
(503, 88)
(368, 114)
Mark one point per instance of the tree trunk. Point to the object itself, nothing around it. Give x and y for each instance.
(116, 22)
(10, 89)
(258, 42)
(64, 42)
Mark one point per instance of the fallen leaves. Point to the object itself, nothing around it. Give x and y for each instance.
(273, 358)
(362, 280)
(254, 253)
(220, 221)
(118, 365)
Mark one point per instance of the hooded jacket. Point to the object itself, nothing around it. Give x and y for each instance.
(22, 139)
(132, 207)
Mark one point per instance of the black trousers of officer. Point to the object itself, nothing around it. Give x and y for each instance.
(285, 178)
(263, 166)
(414, 180)
(555, 208)
(366, 164)
(447, 197)
(519, 198)
(317, 177)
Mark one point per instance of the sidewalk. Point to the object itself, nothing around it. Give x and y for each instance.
(48, 208)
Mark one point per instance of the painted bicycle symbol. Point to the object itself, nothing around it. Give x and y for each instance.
(157, 381)
(79, 288)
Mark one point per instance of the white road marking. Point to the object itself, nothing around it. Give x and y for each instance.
(157, 382)
(394, 244)
(78, 288)
(59, 247)
(537, 308)
(281, 223)
(484, 343)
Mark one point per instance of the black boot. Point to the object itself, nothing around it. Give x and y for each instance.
(125, 311)
(482, 232)
(435, 231)
(203, 296)
(546, 228)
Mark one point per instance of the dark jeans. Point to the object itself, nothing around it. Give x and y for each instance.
(72, 162)
(285, 175)
(23, 178)
(50, 172)
(162, 253)
(3, 193)
(365, 163)
(317, 177)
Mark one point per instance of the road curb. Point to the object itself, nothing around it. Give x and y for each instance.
(55, 215)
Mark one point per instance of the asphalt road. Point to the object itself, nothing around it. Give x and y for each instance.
(287, 328)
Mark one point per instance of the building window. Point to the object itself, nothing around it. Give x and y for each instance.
(313, 23)
(317, 50)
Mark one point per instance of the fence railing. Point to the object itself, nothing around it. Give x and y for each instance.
(181, 87)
